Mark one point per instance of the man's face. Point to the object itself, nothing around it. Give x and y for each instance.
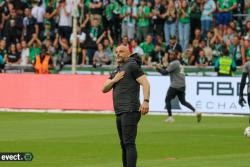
(48, 43)
(27, 12)
(246, 43)
(148, 39)
(236, 41)
(157, 48)
(129, 2)
(106, 42)
(51, 2)
(197, 32)
(248, 25)
(202, 53)
(13, 13)
(3, 44)
(172, 41)
(229, 30)
(23, 43)
(184, 4)
(125, 40)
(47, 26)
(122, 54)
(18, 46)
(95, 23)
(143, 3)
(202, 44)
(13, 47)
(209, 35)
(171, 56)
(133, 43)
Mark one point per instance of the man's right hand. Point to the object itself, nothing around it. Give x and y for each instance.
(118, 76)
(242, 101)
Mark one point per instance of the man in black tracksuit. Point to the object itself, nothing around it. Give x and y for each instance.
(126, 81)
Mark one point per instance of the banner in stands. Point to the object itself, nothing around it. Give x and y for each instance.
(206, 94)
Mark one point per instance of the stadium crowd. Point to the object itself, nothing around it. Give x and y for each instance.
(39, 32)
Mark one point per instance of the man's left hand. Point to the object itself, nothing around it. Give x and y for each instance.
(144, 108)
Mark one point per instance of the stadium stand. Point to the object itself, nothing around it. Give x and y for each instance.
(199, 28)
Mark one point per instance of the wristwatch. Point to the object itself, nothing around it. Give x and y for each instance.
(146, 100)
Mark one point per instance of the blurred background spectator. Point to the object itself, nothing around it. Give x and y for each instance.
(195, 15)
(43, 61)
(184, 24)
(101, 57)
(143, 21)
(170, 17)
(208, 8)
(128, 14)
(12, 56)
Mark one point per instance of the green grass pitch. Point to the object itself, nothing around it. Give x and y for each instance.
(90, 140)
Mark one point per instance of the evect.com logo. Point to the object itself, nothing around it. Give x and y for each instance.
(21, 156)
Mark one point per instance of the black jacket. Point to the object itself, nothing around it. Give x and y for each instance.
(126, 92)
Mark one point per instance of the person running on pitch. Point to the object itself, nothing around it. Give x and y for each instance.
(177, 86)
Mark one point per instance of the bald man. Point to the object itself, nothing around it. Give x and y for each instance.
(125, 82)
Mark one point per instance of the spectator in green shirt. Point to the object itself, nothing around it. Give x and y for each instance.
(235, 49)
(224, 16)
(184, 24)
(128, 14)
(35, 48)
(147, 48)
(143, 21)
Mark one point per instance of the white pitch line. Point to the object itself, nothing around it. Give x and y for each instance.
(110, 112)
